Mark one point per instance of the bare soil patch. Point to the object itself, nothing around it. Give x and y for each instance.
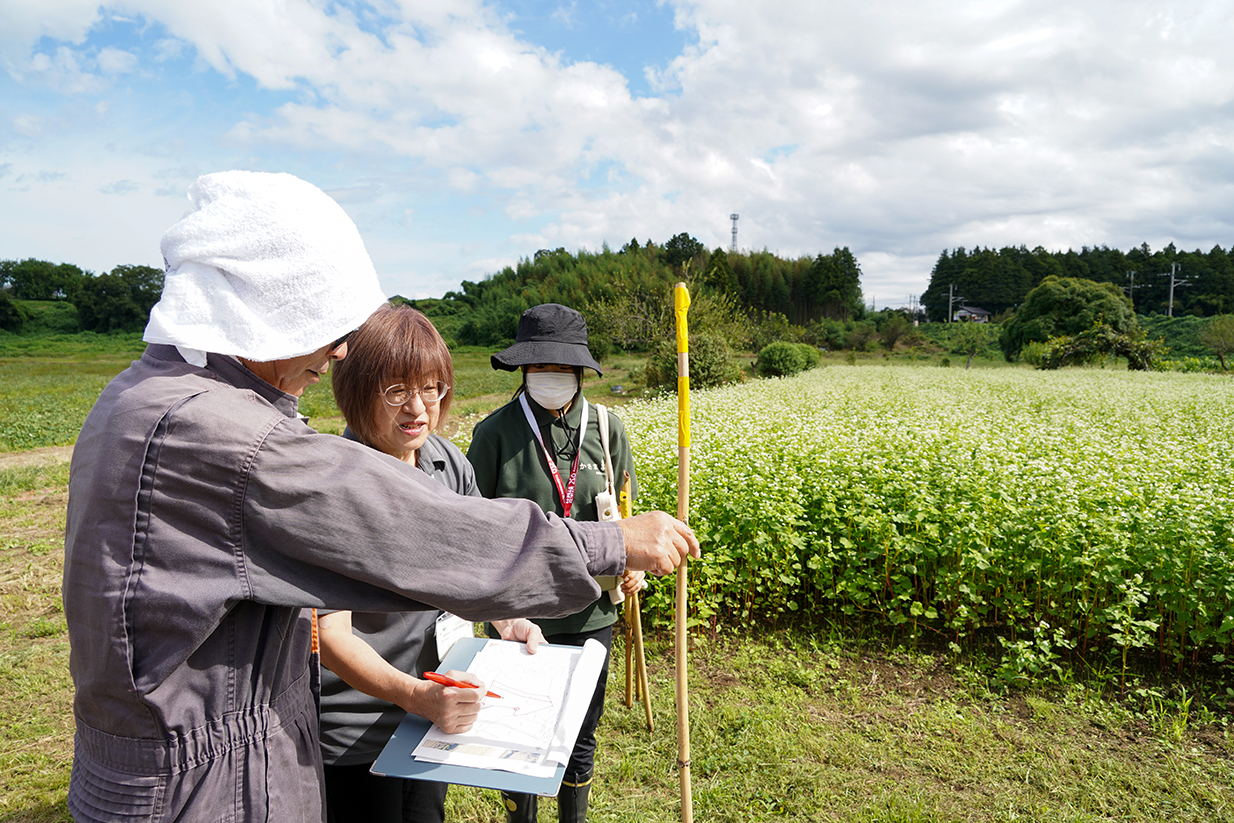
(36, 457)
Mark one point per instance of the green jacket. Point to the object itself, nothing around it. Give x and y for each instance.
(509, 462)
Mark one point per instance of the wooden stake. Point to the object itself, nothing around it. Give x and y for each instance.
(636, 674)
(629, 652)
(681, 304)
(641, 666)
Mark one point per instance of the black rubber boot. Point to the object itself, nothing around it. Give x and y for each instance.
(572, 800)
(520, 808)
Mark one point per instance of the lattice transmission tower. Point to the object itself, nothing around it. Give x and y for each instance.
(733, 248)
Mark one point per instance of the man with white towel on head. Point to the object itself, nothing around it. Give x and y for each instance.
(204, 515)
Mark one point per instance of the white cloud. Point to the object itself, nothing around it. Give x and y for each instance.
(116, 61)
(63, 71)
(120, 187)
(27, 125)
(896, 128)
(22, 23)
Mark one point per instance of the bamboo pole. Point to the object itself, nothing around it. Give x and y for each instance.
(624, 509)
(636, 671)
(629, 652)
(681, 304)
(641, 666)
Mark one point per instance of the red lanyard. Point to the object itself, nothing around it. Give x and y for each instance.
(564, 493)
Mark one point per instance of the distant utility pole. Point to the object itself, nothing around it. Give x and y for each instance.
(1130, 289)
(1173, 268)
(733, 248)
(952, 299)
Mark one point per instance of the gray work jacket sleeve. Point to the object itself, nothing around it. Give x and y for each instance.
(317, 502)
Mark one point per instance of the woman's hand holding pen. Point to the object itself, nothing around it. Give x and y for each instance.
(453, 708)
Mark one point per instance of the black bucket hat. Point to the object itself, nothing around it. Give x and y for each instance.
(548, 333)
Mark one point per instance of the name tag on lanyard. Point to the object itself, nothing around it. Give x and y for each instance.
(449, 629)
(565, 493)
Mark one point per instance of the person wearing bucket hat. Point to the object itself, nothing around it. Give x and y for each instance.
(548, 333)
(205, 516)
(545, 445)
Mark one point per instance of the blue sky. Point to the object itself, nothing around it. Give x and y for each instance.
(462, 135)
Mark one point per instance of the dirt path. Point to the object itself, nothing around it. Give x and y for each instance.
(35, 457)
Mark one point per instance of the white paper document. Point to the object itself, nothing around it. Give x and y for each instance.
(532, 727)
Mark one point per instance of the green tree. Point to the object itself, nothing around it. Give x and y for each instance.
(1218, 336)
(834, 283)
(1097, 343)
(11, 317)
(119, 300)
(1066, 306)
(145, 284)
(32, 279)
(894, 329)
(769, 327)
(105, 303)
(718, 275)
(971, 339)
(681, 249)
(711, 362)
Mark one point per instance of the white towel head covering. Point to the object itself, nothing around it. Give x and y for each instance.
(265, 267)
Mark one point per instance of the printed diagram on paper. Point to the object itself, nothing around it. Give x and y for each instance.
(533, 725)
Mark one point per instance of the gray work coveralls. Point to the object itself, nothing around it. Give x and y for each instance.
(203, 516)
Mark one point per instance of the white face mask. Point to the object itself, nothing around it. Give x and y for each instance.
(552, 390)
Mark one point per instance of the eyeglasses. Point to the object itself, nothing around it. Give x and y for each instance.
(400, 395)
(341, 340)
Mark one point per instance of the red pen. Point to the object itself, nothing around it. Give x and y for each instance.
(450, 681)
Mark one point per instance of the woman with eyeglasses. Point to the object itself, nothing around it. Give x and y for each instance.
(394, 389)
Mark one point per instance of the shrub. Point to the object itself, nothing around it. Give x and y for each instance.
(49, 317)
(782, 359)
(1097, 344)
(773, 328)
(11, 317)
(861, 336)
(711, 363)
(826, 334)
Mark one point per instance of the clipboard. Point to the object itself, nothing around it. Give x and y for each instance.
(395, 759)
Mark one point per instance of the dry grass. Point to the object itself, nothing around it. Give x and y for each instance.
(36, 721)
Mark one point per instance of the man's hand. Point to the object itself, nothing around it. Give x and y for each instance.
(657, 543)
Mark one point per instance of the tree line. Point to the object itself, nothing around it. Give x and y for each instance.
(118, 300)
(634, 283)
(631, 287)
(999, 280)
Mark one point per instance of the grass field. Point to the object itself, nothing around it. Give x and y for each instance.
(802, 724)
(51, 383)
(808, 722)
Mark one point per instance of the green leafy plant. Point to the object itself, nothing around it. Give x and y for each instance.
(784, 359)
(1021, 514)
(712, 363)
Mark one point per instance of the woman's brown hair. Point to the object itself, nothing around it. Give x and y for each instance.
(395, 345)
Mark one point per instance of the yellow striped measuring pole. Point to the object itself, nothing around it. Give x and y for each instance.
(681, 304)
